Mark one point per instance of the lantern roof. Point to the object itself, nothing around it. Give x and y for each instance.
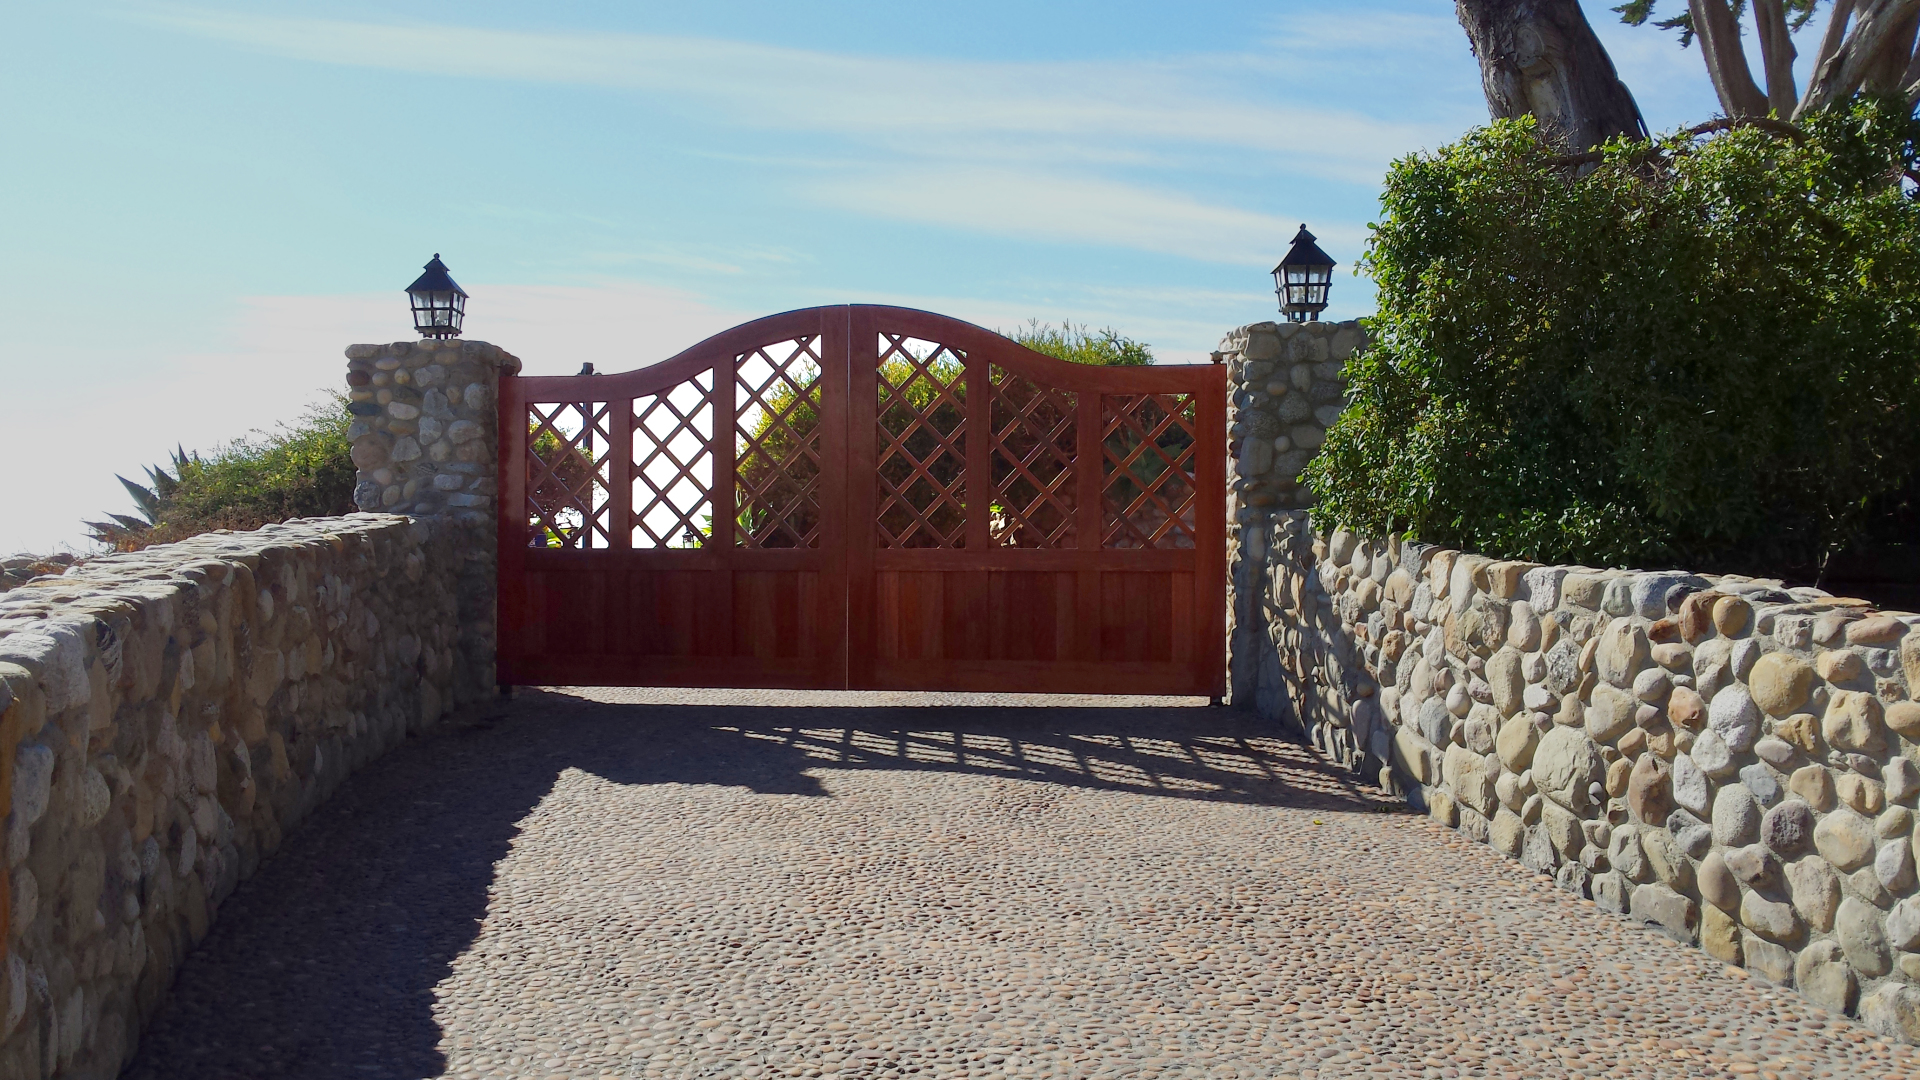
(1304, 252)
(436, 279)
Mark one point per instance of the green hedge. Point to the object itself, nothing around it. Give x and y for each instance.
(1694, 353)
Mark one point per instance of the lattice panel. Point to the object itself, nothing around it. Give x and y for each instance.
(776, 466)
(1147, 481)
(673, 466)
(1033, 447)
(567, 475)
(922, 451)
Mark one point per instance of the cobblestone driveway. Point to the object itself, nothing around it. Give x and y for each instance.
(604, 885)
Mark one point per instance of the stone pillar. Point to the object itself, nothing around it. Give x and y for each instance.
(1286, 388)
(426, 442)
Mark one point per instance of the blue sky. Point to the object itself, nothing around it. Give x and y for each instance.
(205, 203)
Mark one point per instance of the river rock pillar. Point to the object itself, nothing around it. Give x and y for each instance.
(1286, 388)
(426, 443)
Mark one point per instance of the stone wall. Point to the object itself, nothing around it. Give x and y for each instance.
(1729, 760)
(166, 716)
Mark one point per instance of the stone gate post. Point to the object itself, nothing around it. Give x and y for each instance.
(426, 443)
(1286, 388)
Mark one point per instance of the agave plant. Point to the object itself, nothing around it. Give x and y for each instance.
(151, 502)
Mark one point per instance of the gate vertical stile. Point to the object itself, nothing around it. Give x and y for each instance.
(1210, 582)
(863, 396)
(510, 615)
(836, 397)
(980, 498)
(719, 552)
(1088, 524)
(620, 538)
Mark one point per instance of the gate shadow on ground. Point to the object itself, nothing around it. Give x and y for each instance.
(323, 964)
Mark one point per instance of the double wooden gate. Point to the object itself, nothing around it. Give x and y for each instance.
(866, 498)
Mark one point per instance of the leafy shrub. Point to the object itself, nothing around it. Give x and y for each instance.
(1706, 354)
(1076, 344)
(304, 469)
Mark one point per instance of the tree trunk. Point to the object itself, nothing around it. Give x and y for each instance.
(1541, 58)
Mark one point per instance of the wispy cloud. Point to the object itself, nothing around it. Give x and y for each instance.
(1027, 204)
(1334, 35)
(925, 101)
(1081, 151)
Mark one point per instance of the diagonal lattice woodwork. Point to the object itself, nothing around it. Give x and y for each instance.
(673, 466)
(567, 475)
(1033, 449)
(1147, 470)
(777, 445)
(921, 450)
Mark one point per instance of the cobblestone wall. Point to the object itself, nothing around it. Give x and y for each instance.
(165, 717)
(1730, 760)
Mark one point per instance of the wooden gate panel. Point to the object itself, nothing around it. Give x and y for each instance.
(680, 524)
(866, 497)
(1037, 524)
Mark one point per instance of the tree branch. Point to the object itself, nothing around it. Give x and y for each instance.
(1719, 32)
(1840, 75)
(1886, 75)
(1835, 35)
(1776, 55)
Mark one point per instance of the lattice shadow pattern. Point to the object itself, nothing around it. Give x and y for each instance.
(922, 451)
(673, 466)
(567, 475)
(1147, 451)
(1033, 447)
(777, 445)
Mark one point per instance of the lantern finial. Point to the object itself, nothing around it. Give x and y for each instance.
(439, 304)
(1303, 278)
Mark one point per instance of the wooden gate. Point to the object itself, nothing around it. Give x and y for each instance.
(866, 498)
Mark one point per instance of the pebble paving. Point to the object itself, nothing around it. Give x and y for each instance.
(705, 884)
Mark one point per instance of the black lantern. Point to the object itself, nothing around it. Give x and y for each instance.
(438, 304)
(1302, 279)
